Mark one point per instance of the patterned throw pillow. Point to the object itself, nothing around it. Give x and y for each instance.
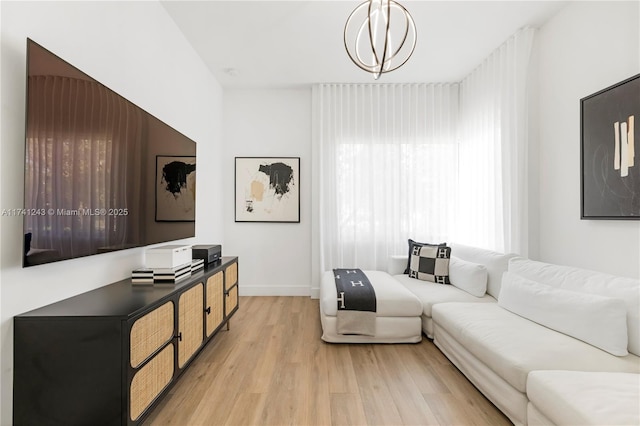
(430, 263)
(412, 245)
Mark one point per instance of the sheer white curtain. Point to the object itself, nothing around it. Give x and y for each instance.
(387, 169)
(432, 162)
(493, 149)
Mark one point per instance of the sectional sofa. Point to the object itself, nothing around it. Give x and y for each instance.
(547, 344)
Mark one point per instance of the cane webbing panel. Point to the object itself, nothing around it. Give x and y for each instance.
(231, 276)
(150, 332)
(232, 300)
(190, 322)
(150, 380)
(215, 302)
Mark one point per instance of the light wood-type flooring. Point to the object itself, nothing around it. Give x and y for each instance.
(272, 368)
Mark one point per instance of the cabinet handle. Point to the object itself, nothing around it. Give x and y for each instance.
(208, 310)
(179, 337)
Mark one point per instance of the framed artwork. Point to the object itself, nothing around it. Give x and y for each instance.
(609, 165)
(175, 188)
(267, 189)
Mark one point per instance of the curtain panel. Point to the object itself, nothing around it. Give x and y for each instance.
(387, 169)
(493, 158)
(431, 162)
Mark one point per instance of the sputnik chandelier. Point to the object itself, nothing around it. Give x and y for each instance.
(379, 36)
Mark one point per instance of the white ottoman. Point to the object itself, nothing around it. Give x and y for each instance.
(397, 317)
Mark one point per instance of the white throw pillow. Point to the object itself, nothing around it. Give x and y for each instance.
(585, 281)
(597, 320)
(468, 276)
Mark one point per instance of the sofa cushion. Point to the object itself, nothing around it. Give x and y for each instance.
(468, 276)
(412, 246)
(597, 320)
(432, 293)
(392, 299)
(513, 346)
(575, 279)
(579, 398)
(430, 263)
(496, 263)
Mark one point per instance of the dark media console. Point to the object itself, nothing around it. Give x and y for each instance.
(108, 356)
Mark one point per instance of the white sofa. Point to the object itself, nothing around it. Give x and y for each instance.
(431, 294)
(397, 318)
(404, 312)
(583, 398)
(535, 349)
(499, 350)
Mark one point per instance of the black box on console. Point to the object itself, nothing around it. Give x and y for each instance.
(210, 253)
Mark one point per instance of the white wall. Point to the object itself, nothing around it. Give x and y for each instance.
(135, 49)
(275, 258)
(586, 47)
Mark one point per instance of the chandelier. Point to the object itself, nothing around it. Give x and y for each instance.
(379, 36)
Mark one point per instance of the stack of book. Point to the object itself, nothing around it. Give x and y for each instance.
(171, 275)
(142, 276)
(167, 265)
(197, 265)
(161, 275)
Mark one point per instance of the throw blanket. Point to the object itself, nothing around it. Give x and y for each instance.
(356, 303)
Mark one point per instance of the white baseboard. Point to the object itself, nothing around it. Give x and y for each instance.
(273, 291)
(315, 293)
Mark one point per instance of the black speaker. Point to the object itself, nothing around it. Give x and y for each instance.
(209, 253)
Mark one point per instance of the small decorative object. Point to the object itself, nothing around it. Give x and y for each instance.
(169, 256)
(166, 265)
(152, 276)
(380, 36)
(175, 188)
(267, 189)
(610, 173)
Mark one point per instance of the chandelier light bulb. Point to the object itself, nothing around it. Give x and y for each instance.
(379, 36)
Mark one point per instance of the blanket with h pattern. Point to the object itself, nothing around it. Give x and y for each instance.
(356, 303)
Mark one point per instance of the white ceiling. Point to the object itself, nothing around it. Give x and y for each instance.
(293, 43)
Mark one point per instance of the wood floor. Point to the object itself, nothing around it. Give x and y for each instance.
(271, 368)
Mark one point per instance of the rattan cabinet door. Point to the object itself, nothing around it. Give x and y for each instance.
(150, 332)
(231, 288)
(190, 323)
(231, 276)
(215, 302)
(149, 381)
(232, 301)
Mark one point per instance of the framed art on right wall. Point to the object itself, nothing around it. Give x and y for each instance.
(609, 165)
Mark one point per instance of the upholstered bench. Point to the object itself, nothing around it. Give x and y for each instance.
(397, 316)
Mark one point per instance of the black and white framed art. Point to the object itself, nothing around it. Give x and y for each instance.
(267, 189)
(175, 188)
(610, 173)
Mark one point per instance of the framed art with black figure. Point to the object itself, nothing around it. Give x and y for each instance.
(175, 188)
(267, 189)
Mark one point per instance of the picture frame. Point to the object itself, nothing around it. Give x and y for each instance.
(609, 159)
(267, 189)
(175, 188)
